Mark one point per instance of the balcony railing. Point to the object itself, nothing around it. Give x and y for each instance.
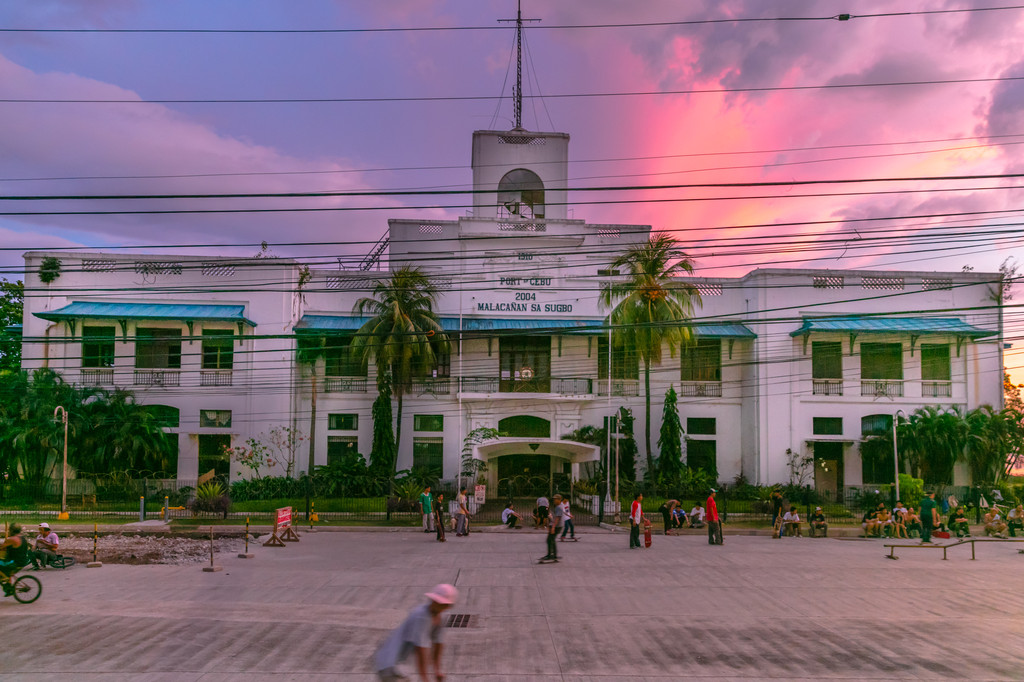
(157, 377)
(936, 389)
(882, 388)
(557, 385)
(215, 377)
(827, 386)
(432, 386)
(345, 385)
(621, 387)
(101, 376)
(700, 389)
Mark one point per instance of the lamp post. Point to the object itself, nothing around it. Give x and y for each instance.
(64, 478)
(895, 453)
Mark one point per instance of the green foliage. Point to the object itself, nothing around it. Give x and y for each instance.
(279, 453)
(650, 306)
(403, 334)
(383, 448)
(49, 269)
(470, 466)
(670, 440)
(627, 446)
(268, 488)
(12, 296)
(911, 490)
(211, 497)
(408, 489)
(349, 476)
(107, 430)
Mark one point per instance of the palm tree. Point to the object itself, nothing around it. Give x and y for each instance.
(651, 307)
(403, 333)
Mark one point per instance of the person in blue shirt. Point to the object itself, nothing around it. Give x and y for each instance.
(420, 634)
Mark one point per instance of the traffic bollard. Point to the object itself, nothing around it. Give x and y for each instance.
(95, 563)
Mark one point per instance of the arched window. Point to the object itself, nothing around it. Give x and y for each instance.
(521, 193)
(525, 426)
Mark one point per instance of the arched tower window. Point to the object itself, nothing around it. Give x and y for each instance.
(521, 193)
(525, 426)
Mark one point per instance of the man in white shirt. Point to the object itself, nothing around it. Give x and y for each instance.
(697, 516)
(47, 544)
(791, 523)
(568, 526)
(510, 517)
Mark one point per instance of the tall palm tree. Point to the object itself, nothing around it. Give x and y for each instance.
(651, 307)
(403, 333)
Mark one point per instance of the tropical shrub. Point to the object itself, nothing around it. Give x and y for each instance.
(211, 497)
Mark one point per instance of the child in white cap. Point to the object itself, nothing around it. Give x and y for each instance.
(421, 633)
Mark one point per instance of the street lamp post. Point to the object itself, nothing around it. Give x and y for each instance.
(64, 477)
(895, 453)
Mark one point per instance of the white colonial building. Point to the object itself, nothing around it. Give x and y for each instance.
(785, 361)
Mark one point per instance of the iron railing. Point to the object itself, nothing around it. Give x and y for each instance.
(345, 385)
(826, 386)
(157, 377)
(620, 387)
(97, 377)
(882, 388)
(936, 389)
(700, 389)
(215, 377)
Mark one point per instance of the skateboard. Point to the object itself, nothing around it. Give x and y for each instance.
(777, 528)
(568, 539)
(647, 533)
(546, 560)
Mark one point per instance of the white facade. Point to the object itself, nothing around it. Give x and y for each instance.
(521, 280)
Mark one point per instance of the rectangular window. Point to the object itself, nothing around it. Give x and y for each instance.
(625, 362)
(700, 426)
(442, 367)
(935, 364)
(827, 360)
(701, 455)
(339, 361)
(97, 346)
(218, 349)
(340, 447)
(214, 419)
(157, 348)
(428, 422)
(342, 422)
(428, 453)
(828, 426)
(701, 361)
(881, 361)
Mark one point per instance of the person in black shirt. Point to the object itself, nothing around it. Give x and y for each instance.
(818, 523)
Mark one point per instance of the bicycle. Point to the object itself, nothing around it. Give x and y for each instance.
(24, 588)
(61, 561)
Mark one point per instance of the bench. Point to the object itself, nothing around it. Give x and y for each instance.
(944, 548)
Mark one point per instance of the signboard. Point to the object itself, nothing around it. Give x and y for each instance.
(283, 531)
(480, 494)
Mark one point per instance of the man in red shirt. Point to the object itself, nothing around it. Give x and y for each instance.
(636, 517)
(714, 523)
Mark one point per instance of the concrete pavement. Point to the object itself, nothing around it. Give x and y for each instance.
(755, 608)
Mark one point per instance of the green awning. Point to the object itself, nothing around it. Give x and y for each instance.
(951, 326)
(148, 311)
(732, 330)
(329, 323)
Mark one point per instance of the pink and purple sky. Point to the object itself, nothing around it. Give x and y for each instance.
(77, 148)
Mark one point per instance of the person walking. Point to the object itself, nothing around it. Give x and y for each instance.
(556, 518)
(568, 526)
(929, 516)
(420, 633)
(426, 504)
(636, 517)
(461, 515)
(714, 522)
(666, 509)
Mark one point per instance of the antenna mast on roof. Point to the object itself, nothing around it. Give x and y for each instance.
(517, 94)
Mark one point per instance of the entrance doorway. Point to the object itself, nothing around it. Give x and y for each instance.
(524, 475)
(213, 455)
(828, 470)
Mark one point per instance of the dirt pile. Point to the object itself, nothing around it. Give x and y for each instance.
(147, 549)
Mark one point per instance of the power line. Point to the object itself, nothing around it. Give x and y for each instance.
(491, 98)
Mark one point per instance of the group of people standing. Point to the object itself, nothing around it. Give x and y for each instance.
(432, 511)
(674, 517)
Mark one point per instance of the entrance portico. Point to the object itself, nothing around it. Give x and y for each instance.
(556, 451)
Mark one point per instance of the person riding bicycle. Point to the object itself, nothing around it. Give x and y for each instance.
(15, 549)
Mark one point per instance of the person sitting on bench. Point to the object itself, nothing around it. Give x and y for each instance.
(899, 521)
(994, 524)
(1015, 520)
(818, 524)
(913, 523)
(885, 524)
(791, 523)
(958, 523)
(870, 524)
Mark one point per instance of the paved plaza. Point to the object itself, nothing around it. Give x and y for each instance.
(755, 608)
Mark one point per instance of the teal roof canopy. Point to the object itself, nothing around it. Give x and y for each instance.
(148, 311)
(349, 324)
(952, 326)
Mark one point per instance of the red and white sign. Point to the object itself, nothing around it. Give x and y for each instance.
(284, 518)
(480, 494)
